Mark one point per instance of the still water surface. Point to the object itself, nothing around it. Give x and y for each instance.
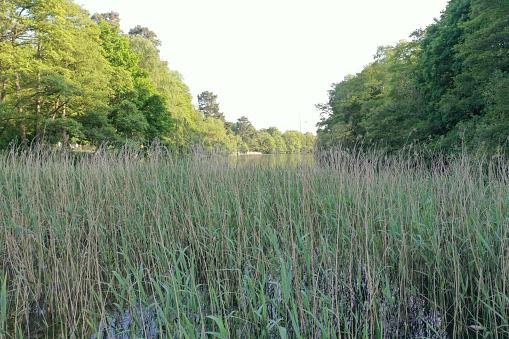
(278, 160)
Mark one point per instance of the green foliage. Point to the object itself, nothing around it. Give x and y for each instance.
(8, 125)
(62, 130)
(66, 77)
(246, 131)
(266, 143)
(293, 141)
(443, 90)
(307, 143)
(129, 121)
(184, 129)
(52, 68)
(278, 140)
(98, 129)
(214, 136)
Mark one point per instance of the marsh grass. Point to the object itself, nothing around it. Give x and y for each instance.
(129, 244)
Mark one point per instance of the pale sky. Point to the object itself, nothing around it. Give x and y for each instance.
(271, 60)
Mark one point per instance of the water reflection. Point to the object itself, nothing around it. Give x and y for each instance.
(271, 160)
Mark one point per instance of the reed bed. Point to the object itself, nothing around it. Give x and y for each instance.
(152, 245)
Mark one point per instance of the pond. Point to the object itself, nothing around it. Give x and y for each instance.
(275, 159)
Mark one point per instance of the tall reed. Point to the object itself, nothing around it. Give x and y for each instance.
(357, 245)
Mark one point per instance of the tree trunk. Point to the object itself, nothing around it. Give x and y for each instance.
(38, 104)
(23, 127)
(57, 105)
(3, 88)
(65, 136)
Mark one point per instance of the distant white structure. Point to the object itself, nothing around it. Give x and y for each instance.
(251, 153)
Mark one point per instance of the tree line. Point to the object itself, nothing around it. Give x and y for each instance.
(244, 137)
(70, 78)
(446, 89)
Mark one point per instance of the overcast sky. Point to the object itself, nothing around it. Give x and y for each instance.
(271, 60)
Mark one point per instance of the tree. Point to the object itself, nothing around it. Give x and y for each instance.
(55, 71)
(266, 143)
(477, 98)
(146, 33)
(247, 132)
(67, 77)
(440, 91)
(293, 141)
(308, 143)
(279, 141)
(137, 110)
(113, 18)
(129, 83)
(15, 52)
(393, 118)
(208, 105)
(97, 128)
(215, 137)
(169, 85)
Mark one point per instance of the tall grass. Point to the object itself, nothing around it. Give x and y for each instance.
(362, 246)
